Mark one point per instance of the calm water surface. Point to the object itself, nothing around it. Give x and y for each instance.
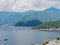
(25, 36)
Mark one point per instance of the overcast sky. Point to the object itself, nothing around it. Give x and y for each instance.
(24, 5)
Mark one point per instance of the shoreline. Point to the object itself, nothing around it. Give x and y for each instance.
(49, 29)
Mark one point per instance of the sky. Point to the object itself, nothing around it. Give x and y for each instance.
(25, 5)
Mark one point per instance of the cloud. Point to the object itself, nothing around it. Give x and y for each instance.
(6, 5)
(53, 0)
(24, 5)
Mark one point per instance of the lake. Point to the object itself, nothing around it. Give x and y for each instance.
(25, 36)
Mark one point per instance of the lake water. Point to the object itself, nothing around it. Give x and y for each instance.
(25, 36)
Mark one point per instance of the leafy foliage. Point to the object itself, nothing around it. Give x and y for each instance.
(49, 24)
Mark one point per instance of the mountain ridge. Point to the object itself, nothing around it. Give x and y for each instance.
(43, 16)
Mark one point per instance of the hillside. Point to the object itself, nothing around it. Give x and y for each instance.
(29, 23)
(13, 18)
(49, 25)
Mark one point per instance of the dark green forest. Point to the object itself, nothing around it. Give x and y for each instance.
(49, 24)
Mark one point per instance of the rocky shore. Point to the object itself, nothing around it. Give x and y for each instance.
(52, 42)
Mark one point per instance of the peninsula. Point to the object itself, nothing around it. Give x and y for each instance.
(49, 25)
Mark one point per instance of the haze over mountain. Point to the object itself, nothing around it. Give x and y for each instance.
(16, 17)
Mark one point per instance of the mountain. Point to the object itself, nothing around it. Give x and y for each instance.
(52, 9)
(29, 23)
(13, 18)
(46, 15)
(9, 17)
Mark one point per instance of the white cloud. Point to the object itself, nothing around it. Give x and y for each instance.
(6, 5)
(24, 5)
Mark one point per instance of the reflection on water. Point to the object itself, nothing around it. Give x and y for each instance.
(25, 36)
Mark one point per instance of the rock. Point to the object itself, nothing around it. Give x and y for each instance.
(5, 39)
